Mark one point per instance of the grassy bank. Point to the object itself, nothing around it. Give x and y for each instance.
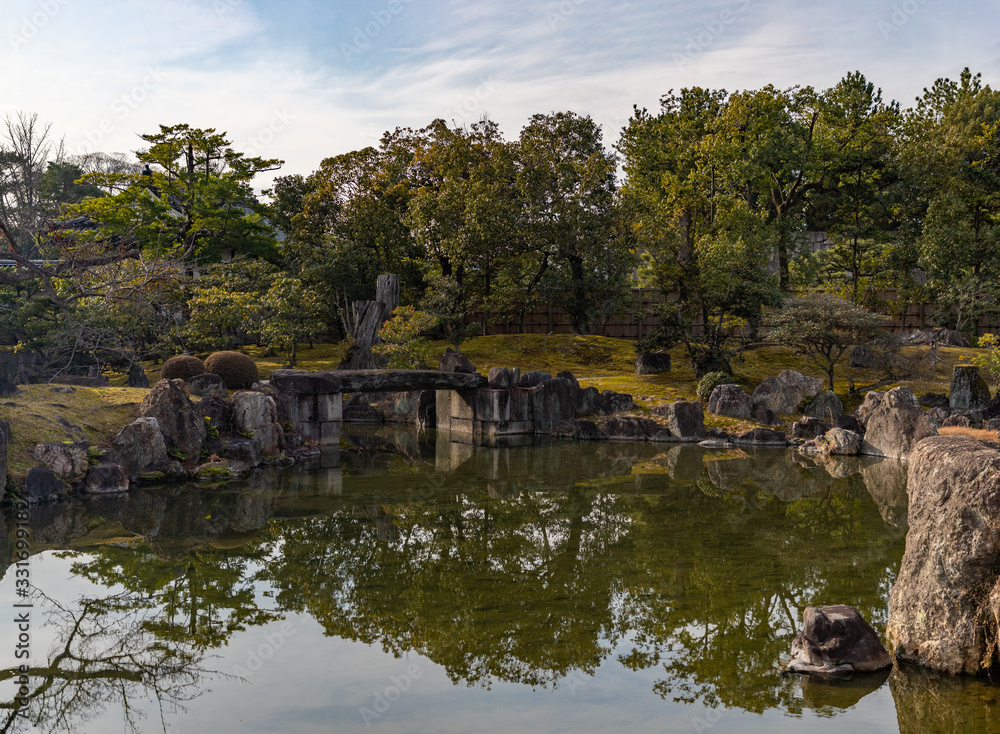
(38, 414)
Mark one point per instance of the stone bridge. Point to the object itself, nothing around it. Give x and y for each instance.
(313, 401)
(465, 403)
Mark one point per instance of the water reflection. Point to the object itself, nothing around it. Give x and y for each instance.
(523, 564)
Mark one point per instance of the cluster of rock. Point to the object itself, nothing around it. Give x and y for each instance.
(774, 397)
(173, 438)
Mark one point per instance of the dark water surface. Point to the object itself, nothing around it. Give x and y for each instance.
(427, 586)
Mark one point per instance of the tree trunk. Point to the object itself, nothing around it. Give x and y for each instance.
(368, 317)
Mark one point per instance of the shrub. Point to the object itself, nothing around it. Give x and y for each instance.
(236, 368)
(402, 343)
(711, 381)
(182, 367)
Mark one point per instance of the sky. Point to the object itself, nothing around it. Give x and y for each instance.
(302, 80)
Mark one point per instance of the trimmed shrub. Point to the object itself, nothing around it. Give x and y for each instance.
(236, 368)
(182, 367)
(711, 381)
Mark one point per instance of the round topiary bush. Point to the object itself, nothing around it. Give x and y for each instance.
(711, 381)
(182, 367)
(236, 368)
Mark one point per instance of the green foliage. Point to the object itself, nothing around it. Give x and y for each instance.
(821, 326)
(712, 380)
(177, 454)
(402, 340)
(210, 430)
(195, 203)
(182, 367)
(237, 369)
(989, 362)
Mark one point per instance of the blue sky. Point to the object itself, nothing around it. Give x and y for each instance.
(304, 79)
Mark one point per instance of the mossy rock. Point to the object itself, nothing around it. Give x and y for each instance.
(182, 367)
(237, 369)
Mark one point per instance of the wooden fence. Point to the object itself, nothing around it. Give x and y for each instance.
(635, 321)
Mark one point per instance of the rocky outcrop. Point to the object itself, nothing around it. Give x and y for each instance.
(945, 605)
(808, 428)
(452, 361)
(207, 383)
(836, 640)
(68, 461)
(141, 448)
(182, 427)
(533, 379)
(761, 437)
(627, 428)
(861, 357)
(868, 406)
(105, 479)
(652, 363)
(685, 421)
(969, 390)
(503, 378)
(896, 425)
(783, 394)
(42, 486)
(826, 405)
(255, 416)
(730, 401)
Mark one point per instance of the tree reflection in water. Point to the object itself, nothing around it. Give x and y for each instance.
(520, 565)
(105, 657)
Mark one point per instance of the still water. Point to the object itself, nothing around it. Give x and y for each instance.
(424, 585)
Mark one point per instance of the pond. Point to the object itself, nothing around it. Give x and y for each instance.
(416, 584)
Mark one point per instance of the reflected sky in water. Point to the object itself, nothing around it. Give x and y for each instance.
(427, 585)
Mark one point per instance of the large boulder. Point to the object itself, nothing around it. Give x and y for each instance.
(872, 400)
(839, 442)
(807, 428)
(553, 402)
(783, 394)
(141, 448)
(731, 401)
(533, 379)
(945, 604)
(207, 383)
(685, 421)
(628, 428)
(896, 425)
(452, 361)
(652, 363)
(105, 479)
(182, 427)
(836, 640)
(861, 357)
(969, 390)
(68, 461)
(42, 485)
(826, 405)
(255, 416)
(503, 378)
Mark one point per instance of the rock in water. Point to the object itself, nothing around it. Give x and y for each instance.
(836, 640)
(946, 600)
(182, 427)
